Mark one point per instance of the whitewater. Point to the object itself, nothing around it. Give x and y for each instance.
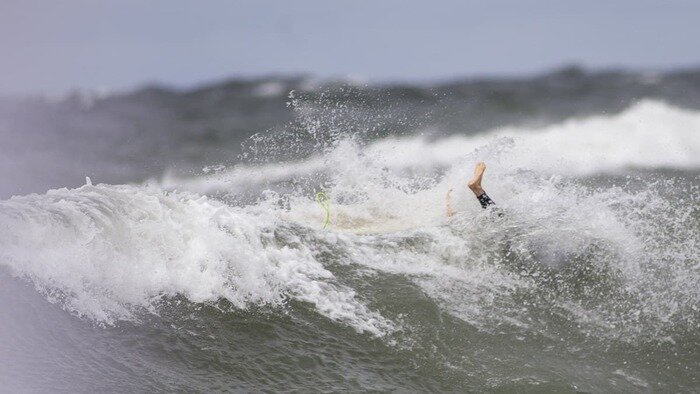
(590, 280)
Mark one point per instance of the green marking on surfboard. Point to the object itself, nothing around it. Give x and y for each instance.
(325, 203)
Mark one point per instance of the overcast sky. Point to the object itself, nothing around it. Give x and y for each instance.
(55, 45)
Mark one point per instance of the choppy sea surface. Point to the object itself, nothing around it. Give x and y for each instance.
(168, 240)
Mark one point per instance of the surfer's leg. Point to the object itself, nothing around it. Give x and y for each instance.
(475, 186)
(448, 202)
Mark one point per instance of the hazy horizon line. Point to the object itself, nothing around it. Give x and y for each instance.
(351, 78)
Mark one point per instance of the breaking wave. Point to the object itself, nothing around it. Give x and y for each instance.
(595, 248)
(614, 260)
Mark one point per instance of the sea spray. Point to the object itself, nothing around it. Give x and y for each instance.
(106, 252)
(588, 281)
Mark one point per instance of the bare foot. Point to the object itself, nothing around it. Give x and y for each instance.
(475, 183)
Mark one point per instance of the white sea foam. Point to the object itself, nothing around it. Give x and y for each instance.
(269, 89)
(650, 134)
(106, 251)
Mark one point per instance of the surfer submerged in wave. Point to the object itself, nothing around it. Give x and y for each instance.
(474, 185)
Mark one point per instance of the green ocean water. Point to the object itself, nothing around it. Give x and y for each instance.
(194, 259)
